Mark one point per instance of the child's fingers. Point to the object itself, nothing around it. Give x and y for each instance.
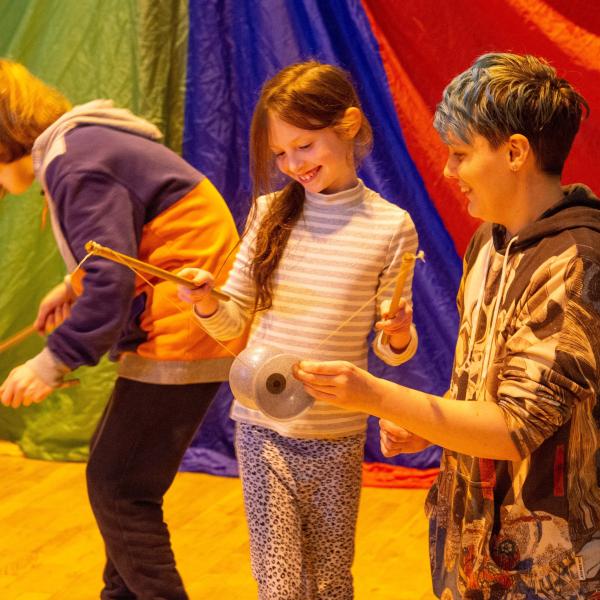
(403, 308)
(187, 273)
(197, 276)
(398, 323)
(385, 307)
(191, 296)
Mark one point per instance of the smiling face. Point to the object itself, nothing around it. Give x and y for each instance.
(16, 177)
(319, 159)
(484, 175)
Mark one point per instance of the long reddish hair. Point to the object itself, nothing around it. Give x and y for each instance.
(308, 95)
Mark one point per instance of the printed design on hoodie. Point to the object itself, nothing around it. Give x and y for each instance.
(528, 340)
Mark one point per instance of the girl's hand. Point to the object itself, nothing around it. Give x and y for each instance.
(340, 383)
(396, 326)
(23, 387)
(200, 296)
(397, 440)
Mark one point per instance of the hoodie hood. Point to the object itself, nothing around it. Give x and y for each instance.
(51, 144)
(580, 207)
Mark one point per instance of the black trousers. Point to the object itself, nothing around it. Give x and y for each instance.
(134, 456)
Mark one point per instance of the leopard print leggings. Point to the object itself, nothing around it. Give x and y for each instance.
(301, 498)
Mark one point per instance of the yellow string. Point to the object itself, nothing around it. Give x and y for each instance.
(117, 259)
(359, 310)
(412, 257)
(81, 263)
(382, 289)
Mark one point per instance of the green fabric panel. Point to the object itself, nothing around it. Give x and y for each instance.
(134, 53)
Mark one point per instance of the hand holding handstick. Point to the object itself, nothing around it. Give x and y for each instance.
(137, 265)
(406, 267)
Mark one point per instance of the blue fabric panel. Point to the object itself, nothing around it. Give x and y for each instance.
(234, 46)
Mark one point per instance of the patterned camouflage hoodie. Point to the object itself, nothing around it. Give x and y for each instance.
(529, 340)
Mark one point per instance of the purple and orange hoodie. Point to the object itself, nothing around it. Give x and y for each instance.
(107, 179)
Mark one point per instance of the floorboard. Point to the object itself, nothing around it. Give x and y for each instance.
(50, 549)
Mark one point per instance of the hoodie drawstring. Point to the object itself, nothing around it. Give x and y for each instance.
(490, 338)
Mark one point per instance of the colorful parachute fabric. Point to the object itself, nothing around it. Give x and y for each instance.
(401, 55)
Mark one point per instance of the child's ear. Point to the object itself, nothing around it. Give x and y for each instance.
(519, 150)
(352, 122)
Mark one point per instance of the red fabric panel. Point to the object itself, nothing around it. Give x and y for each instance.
(575, 9)
(424, 44)
(396, 476)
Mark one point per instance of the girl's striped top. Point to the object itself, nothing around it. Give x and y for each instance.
(343, 249)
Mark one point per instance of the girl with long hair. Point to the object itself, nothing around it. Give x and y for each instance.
(313, 253)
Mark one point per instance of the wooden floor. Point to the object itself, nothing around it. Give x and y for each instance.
(50, 549)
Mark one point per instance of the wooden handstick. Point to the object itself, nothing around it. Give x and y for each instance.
(17, 338)
(95, 248)
(408, 262)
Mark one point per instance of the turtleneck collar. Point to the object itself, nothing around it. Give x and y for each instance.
(340, 200)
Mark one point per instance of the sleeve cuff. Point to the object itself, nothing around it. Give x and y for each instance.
(387, 355)
(202, 319)
(227, 323)
(48, 368)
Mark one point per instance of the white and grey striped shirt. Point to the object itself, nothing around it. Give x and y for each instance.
(344, 247)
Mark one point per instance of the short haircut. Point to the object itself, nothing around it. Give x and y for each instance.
(502, 94)
(27, 107)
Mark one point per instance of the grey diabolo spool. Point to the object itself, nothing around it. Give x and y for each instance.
(261, 379)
